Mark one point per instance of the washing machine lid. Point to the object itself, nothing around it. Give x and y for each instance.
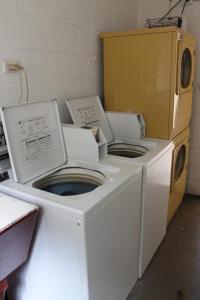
(34, 138)
(89, 111)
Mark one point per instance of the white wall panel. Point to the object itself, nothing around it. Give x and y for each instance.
(55, 41)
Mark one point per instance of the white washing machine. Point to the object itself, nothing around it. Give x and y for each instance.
(87, 241)
(125, 136)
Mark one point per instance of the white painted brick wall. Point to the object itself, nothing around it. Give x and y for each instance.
(54, 40)
(157, 8)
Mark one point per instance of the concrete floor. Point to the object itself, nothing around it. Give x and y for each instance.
(174, 272)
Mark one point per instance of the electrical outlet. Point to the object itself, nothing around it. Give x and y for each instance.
(8, 66)
(92, 60)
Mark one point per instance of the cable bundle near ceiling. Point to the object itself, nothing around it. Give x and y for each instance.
(168, 20)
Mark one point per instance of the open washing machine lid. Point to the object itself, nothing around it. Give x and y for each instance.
(34, 138)
(89, 111)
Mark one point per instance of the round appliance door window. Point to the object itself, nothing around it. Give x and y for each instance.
(180, 162)
(186, 68)
(71, 182)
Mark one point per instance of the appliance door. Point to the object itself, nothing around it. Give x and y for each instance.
(179, 165)
(185, 71)
(178, 174)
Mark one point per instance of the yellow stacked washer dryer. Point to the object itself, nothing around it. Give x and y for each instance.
(151, 71)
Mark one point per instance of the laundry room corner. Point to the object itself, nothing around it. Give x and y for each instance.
(99, 149)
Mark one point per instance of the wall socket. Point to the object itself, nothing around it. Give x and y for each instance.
(92, 60)
(10, 66)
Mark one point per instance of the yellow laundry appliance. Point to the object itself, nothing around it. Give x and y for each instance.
(151, 71)
(179, 172)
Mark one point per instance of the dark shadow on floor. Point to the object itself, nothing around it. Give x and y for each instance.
(174, 272)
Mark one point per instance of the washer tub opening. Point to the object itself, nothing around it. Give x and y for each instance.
(74, 182)
(127, 150)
